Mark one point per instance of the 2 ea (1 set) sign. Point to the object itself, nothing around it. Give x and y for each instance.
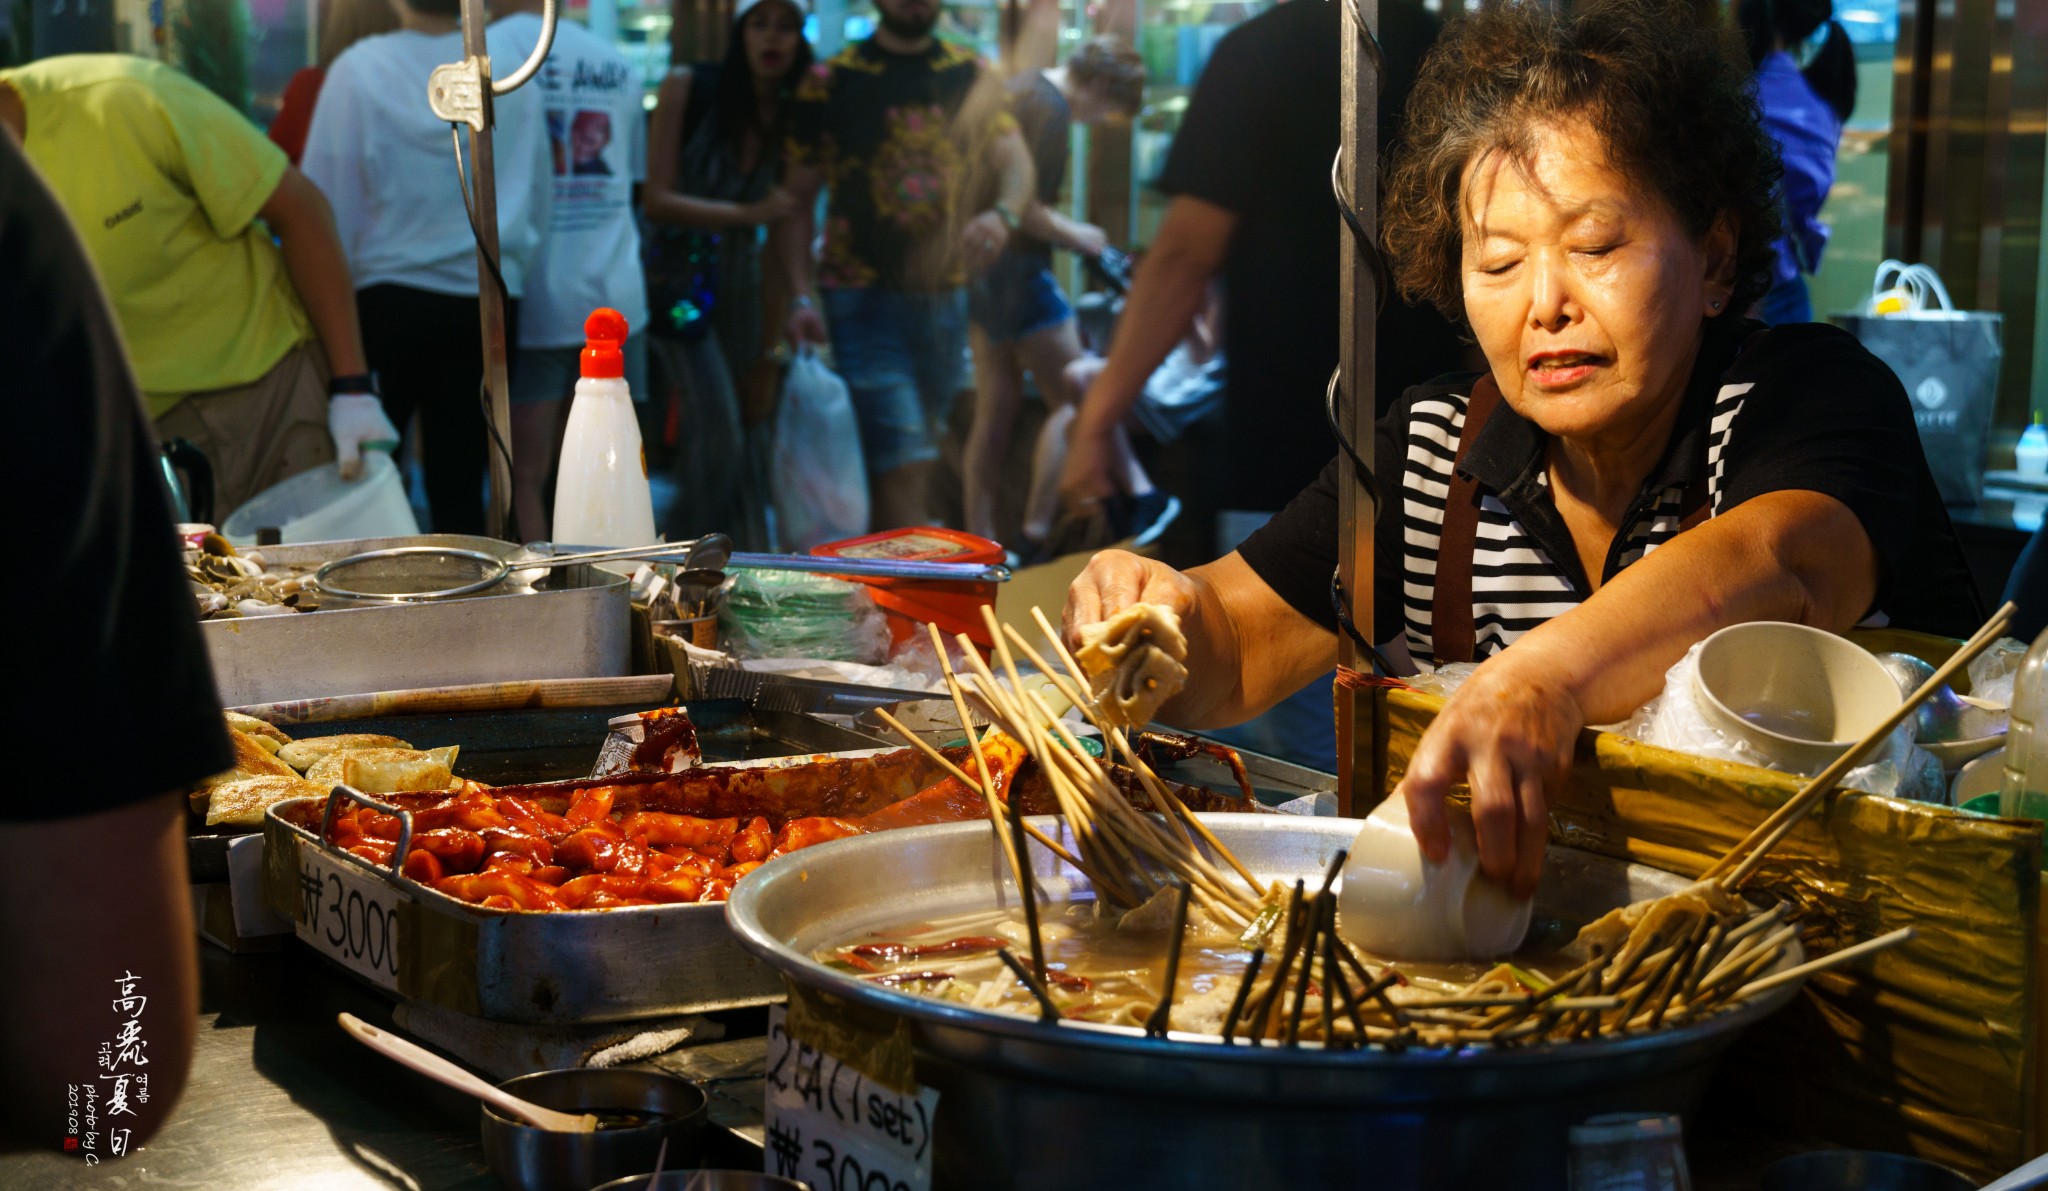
(834, 1128)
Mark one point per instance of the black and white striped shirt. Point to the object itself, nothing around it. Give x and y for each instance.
(1520, 580)
(1800, 407)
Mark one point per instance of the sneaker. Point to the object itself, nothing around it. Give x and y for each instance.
(1144, 518)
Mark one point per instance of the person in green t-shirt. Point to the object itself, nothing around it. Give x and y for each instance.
(246, 346)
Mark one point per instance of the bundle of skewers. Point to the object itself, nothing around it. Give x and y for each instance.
(1653, 964)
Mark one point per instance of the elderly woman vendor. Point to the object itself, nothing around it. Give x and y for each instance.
(1640, 465)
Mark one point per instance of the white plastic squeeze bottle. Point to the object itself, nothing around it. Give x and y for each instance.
(601, 496)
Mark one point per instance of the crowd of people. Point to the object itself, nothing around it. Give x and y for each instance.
(299, 297)
(1603, 198)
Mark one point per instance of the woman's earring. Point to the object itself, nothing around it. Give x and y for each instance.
(1715, 304)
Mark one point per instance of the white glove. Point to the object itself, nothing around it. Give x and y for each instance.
(358, 423)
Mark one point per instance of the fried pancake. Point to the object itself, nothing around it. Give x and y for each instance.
(387, 770)
(251, 760)
(262, 729)
(241, 804)
(301, 754)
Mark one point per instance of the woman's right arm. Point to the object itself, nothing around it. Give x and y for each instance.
(661, 199)
(1247, 647)
(1044, 223)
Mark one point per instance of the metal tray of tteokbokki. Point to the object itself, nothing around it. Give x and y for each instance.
(541, 745)
(599, 899)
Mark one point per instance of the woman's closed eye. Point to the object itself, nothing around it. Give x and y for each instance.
(1499, 268)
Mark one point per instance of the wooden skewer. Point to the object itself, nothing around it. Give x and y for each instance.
(1748, 853)
(1153, 783)
(1176, 813)
(1834, 959)
(988, 784)
(1052, 845)
(1739, 959)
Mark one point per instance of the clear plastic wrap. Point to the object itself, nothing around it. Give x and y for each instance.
(1991, 672)
(1672, 720)
(785, 614)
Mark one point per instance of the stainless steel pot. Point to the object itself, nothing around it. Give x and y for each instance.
(1079, 1106)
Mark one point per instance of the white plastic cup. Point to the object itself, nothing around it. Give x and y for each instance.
(1398, 904)
(1629, 1151)
(1798, 696)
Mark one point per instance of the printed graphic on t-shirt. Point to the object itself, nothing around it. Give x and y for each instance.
(896, 137)
(579, 139)
(915, 168)
(587, 147)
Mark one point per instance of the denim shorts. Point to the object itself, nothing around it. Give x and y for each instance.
(1015, 298)
(903, 358)
(543, 374)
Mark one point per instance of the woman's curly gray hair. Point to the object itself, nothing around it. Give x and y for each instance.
(1667, 91)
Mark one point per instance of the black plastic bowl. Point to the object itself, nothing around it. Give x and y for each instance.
(526, 1158)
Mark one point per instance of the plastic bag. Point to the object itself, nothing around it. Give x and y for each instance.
(794, 614)
(1991, 672)
(1444, 680)
(819, 479)
(1672, 720)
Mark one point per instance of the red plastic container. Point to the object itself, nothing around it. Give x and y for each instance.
(909, 604)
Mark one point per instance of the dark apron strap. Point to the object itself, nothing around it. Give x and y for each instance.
(1450, 617)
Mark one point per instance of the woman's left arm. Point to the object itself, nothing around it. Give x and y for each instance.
(1510, 731)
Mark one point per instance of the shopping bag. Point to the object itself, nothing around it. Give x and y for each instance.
(819, 478)
(1947, 359)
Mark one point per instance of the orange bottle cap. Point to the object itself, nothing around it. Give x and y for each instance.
(603, 333)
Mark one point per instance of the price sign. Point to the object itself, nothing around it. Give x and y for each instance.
(349, 915)
(838, 1130)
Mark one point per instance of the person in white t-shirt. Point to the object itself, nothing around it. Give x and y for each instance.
(387, 165)
(591, 256)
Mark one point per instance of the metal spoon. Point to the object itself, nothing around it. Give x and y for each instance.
(435, 1067)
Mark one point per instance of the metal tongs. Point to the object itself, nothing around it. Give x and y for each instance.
(714, 552)
(420, 574)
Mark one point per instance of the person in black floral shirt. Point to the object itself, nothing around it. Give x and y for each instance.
(902, 128)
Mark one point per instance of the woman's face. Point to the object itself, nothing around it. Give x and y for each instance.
(1586, 293)
(771, 32)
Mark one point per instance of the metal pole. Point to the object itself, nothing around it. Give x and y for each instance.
(483, 182)
(1358, 177)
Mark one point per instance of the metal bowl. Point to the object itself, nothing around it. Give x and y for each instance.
(705, 1180)
(1081, 1106)
(1860, 1170)
(526, 1158)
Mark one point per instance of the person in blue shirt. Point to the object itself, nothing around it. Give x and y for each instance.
(1805, 89)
